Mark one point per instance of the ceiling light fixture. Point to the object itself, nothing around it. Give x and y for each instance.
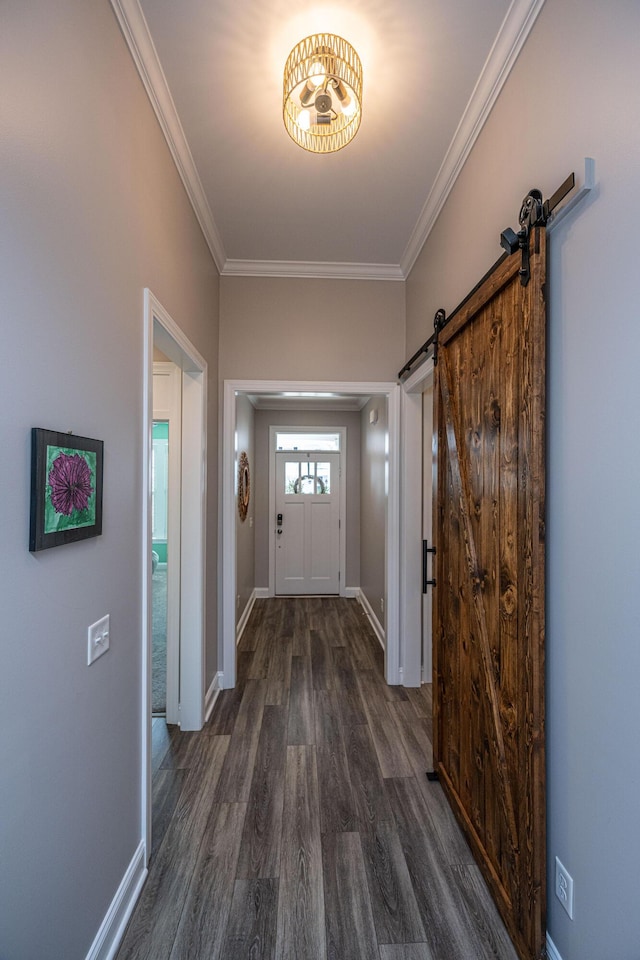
(322, 93)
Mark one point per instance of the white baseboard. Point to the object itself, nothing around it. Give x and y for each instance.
(212, 695)
(552, 950)
(261, 593)
(246, 613)
(351, 592)
(375, 623)
(107, 941)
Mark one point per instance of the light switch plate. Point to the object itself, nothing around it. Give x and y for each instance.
(97, 639)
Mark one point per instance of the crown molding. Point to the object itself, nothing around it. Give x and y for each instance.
(136, 33)
(312, 268)
(513, 33)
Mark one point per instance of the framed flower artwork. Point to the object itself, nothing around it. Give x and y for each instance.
(66, 488)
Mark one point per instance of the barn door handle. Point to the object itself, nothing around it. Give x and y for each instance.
(426, 549)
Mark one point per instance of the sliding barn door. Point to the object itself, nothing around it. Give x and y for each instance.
(488, 619)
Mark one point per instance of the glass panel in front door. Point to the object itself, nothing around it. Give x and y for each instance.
(307, 477)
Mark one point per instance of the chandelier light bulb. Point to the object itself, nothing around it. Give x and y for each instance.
(317, 76)
(304, 119)
(349, 108)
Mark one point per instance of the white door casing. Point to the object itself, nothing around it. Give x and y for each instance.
(427, 527)
(160, 330)
(307, 541)
(412, 493)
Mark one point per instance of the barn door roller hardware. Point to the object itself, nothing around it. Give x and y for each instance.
(438, 324)
(509, 239)
(531, 215)
(534, 212)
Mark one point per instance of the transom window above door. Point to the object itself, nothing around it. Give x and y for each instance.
(307, 477)
(324, 442)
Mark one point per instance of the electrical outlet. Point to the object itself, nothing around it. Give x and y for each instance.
(564, 888)
(97, 639)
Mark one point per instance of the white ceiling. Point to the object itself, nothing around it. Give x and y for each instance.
(213, 69)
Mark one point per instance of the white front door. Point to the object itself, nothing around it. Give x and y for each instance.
(307, 543)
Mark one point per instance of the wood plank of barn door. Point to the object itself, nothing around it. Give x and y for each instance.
(532, 455)
(480, 429)
(460, 484)
(508, 650)
(446, 608)
(495, 413)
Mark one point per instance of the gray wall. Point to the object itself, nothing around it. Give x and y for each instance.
(373, 493)
(245, 529)
(574, 93)
(280, 329)
(93, 211)
(307, 418)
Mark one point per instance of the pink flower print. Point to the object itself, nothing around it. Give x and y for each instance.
(70, 482)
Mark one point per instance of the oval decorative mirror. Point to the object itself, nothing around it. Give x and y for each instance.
(244, 485)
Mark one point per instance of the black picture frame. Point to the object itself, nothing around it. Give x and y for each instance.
(66, 488)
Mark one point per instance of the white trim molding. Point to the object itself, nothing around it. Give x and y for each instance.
(411, 473)
(392, 541)
(514, 30)
(136, 33)
(246, 613)
(105, 946)
(552, 950)
(378, 629)
(212, 695)
(309, 268)
(511, 37)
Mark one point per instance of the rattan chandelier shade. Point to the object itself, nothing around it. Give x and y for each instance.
(322, 93)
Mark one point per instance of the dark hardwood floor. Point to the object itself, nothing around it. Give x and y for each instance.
(299, 824)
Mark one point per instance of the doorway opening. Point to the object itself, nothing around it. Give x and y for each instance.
(234, 393)
(166, 487)
(183, 406)
(159, 555)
